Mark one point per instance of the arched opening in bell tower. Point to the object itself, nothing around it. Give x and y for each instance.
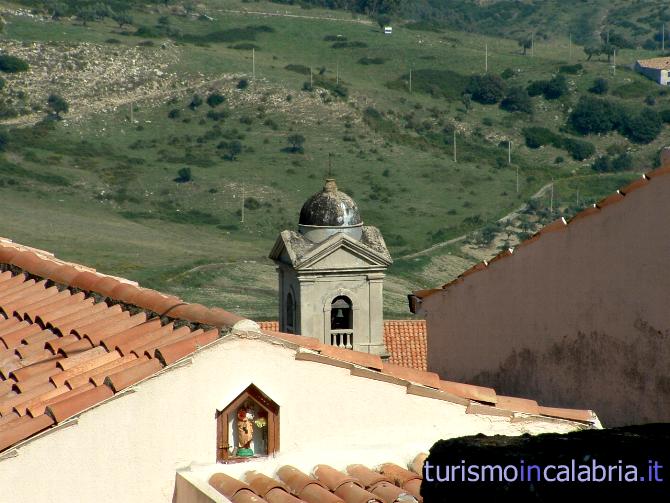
(342, 322)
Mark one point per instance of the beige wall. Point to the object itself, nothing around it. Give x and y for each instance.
(579, 318)
(128, 449)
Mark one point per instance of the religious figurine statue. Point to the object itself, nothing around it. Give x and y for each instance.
(245, 432)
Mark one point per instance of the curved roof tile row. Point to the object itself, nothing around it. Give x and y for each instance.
(558, 225)
(44, 265)
(390, 483)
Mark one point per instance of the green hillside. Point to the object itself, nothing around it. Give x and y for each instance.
(160, 196)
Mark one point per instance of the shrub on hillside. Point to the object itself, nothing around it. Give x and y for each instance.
(642, 127)
(605, 164)
(537, 137)
(600, 86)
(571, 69)
(12, 64)
(517, 100)
(215, 99)
(578, 149)
(595, 115)
(243, 84)
(184, 175)
(486, 89)
(196, 101)
(556, 87)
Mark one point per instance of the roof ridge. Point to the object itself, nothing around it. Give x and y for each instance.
(557, 225)
(77, 277)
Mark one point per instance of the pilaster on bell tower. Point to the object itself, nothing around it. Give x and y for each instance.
(331, 274)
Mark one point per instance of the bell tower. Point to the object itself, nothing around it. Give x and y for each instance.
(331, 274)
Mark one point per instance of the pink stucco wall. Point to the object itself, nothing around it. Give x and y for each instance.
(579, 318)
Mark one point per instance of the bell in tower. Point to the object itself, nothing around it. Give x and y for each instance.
(331, 273)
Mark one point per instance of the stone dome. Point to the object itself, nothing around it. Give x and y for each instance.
(330, 208)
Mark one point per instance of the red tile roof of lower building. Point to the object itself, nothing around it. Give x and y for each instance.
(389, 483)
(559, 225)
(405, 341)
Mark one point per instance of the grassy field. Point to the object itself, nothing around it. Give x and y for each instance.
(101, 190)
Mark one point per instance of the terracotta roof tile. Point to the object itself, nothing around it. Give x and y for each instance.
(140, 369)
(634, 185)
(359, 485)
(71, 405)
(27, 428)
(127, 347)
(39, 405)
(85, 366)
(426, 378)
(129, 334)
(61, 299)
(518, 404)
(473, 392)
(417, 463)
(406, 342)
(96, 333)
(7, 404)
(129, 361)
(102, 371)
(76, 360)
(355, 357)
(611, 199)
(149, 348)
(170, 353)
(63, 274)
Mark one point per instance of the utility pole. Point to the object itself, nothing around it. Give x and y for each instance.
(455, 145)
(570, 45)
(509, 153)
(410, 80)
(614, 65)
(253, 62)
(551, 204)
(578, 197)
(242, 221)
(486, 59)
(131, 112)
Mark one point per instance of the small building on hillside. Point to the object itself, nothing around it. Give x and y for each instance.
(576, 314)
(388, 30)
(655, 68)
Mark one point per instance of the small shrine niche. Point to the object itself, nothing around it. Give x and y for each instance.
(248, 427)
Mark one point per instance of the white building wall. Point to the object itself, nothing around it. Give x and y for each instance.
(128, 449)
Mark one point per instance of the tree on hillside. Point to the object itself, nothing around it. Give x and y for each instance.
(600, 86)
(383, 21)
(525, 44)
(592, 50)
(123, 19)
(296, 142)
(556, 87)
(486, 89)
(85, 15)
(517, 100)
(184, 175)
(595, 115)
(57, 105)
(643, 127)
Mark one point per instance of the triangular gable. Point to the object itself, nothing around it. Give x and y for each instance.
(342, 252)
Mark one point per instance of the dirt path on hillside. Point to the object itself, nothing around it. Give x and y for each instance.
(511, 215)
(299, 16)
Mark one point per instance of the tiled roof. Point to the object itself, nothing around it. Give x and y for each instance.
(655, 63)
(477, 399)
(405, 341)
(71, 338)
(389, 483)
(557, 226)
